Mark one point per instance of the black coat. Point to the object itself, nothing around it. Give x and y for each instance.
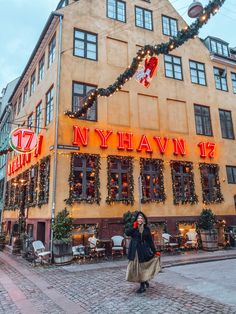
(142, 243)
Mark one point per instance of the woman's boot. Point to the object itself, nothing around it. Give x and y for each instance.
(147, 284)
(142, 288)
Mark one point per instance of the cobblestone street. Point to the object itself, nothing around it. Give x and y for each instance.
(72, 289)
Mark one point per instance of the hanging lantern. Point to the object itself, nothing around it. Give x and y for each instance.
(195, 9)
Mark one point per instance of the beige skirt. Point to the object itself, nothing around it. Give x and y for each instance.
(140, 272)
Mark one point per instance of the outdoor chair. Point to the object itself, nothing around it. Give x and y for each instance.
(117, 245)
(191, 240)
(94, 249)
(78, 251)
(41, 255)
(169, 243)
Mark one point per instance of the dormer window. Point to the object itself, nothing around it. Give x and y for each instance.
(219, 47)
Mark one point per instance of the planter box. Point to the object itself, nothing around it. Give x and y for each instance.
(209, 240)
(62, 252)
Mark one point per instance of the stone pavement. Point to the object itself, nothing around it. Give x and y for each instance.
(101, 288)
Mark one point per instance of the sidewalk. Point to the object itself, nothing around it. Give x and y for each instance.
(183, 258)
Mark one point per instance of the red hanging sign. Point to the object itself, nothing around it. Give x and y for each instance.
(23, 140)
(145, 74)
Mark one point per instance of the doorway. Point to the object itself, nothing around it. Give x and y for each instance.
(41, 231)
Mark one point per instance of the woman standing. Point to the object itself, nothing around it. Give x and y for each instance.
(144, 260)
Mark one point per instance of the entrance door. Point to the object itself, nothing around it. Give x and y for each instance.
(41, 231)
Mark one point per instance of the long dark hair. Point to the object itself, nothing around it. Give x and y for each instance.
(144, 216)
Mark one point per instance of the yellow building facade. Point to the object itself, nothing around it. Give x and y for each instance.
(177, 136)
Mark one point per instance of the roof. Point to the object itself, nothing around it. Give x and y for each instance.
(217, 39)
(7, 94)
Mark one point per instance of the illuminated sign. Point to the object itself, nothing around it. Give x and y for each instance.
(23, 140)
(125, 142)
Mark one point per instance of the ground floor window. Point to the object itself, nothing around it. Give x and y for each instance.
(120, 182)
(211, 190)
(44, 173)
(151, 171)
(84, 179)
(183, 182)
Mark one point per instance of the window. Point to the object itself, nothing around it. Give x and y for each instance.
(152, 180)
(116, 10)
(220, 79)
(31, 189)
(49, 106)
(169, 26)
(41, 69)
(233, 78)
(19, 104)
(226, 124)
(231, 174)
(197, 73)
(80, 90)
(44, 173)
(84, 170)
(30, 121)
(120, 179)
(183, 182)
(85, 44)
(173, 67)
(219, 48)
(25, 95)
(52, 51)
(32, 83)
(143, 18)
(211, 191)
(38, 120)
(202, 120)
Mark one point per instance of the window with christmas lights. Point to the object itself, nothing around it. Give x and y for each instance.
(44, 173)
(85, 44)
(116, 9)
(202, 120)
(197, 72)
(211, 190)
(173, 67)
(220, 79)
(169, 26)
(120, 179)
(226, 124)
(152, 180)
(31, 189)
(38, 120)
(79, 91)
(143, 18)
(84, 179)
(183, 182)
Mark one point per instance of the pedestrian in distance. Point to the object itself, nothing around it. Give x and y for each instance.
(144, 259)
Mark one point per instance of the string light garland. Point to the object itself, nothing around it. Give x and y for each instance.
(5, 151)
(44, 175)
(148, 51)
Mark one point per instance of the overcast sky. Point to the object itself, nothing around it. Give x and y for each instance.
(21, 22)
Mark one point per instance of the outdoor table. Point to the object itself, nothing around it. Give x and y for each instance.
(108, 245)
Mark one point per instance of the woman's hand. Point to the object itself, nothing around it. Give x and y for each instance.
(135, 225)
(157, 253)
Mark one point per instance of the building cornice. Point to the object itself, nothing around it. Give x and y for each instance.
(223, 60)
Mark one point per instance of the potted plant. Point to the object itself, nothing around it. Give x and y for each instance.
(2, 241)
(128, 219)
(206, 226)
(62, 242)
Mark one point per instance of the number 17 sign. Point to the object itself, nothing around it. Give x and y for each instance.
(23, 140)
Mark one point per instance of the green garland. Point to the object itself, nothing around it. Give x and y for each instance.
(44, 174)
(193, 198)
(31, 191)
(73, 197)
(158, 164)
(219, 196)
(130, 199)
(5, 151)
(164, 48)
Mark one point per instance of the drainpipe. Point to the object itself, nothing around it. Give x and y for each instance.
(56, 128)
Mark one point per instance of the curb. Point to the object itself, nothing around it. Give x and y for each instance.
(197, 261)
